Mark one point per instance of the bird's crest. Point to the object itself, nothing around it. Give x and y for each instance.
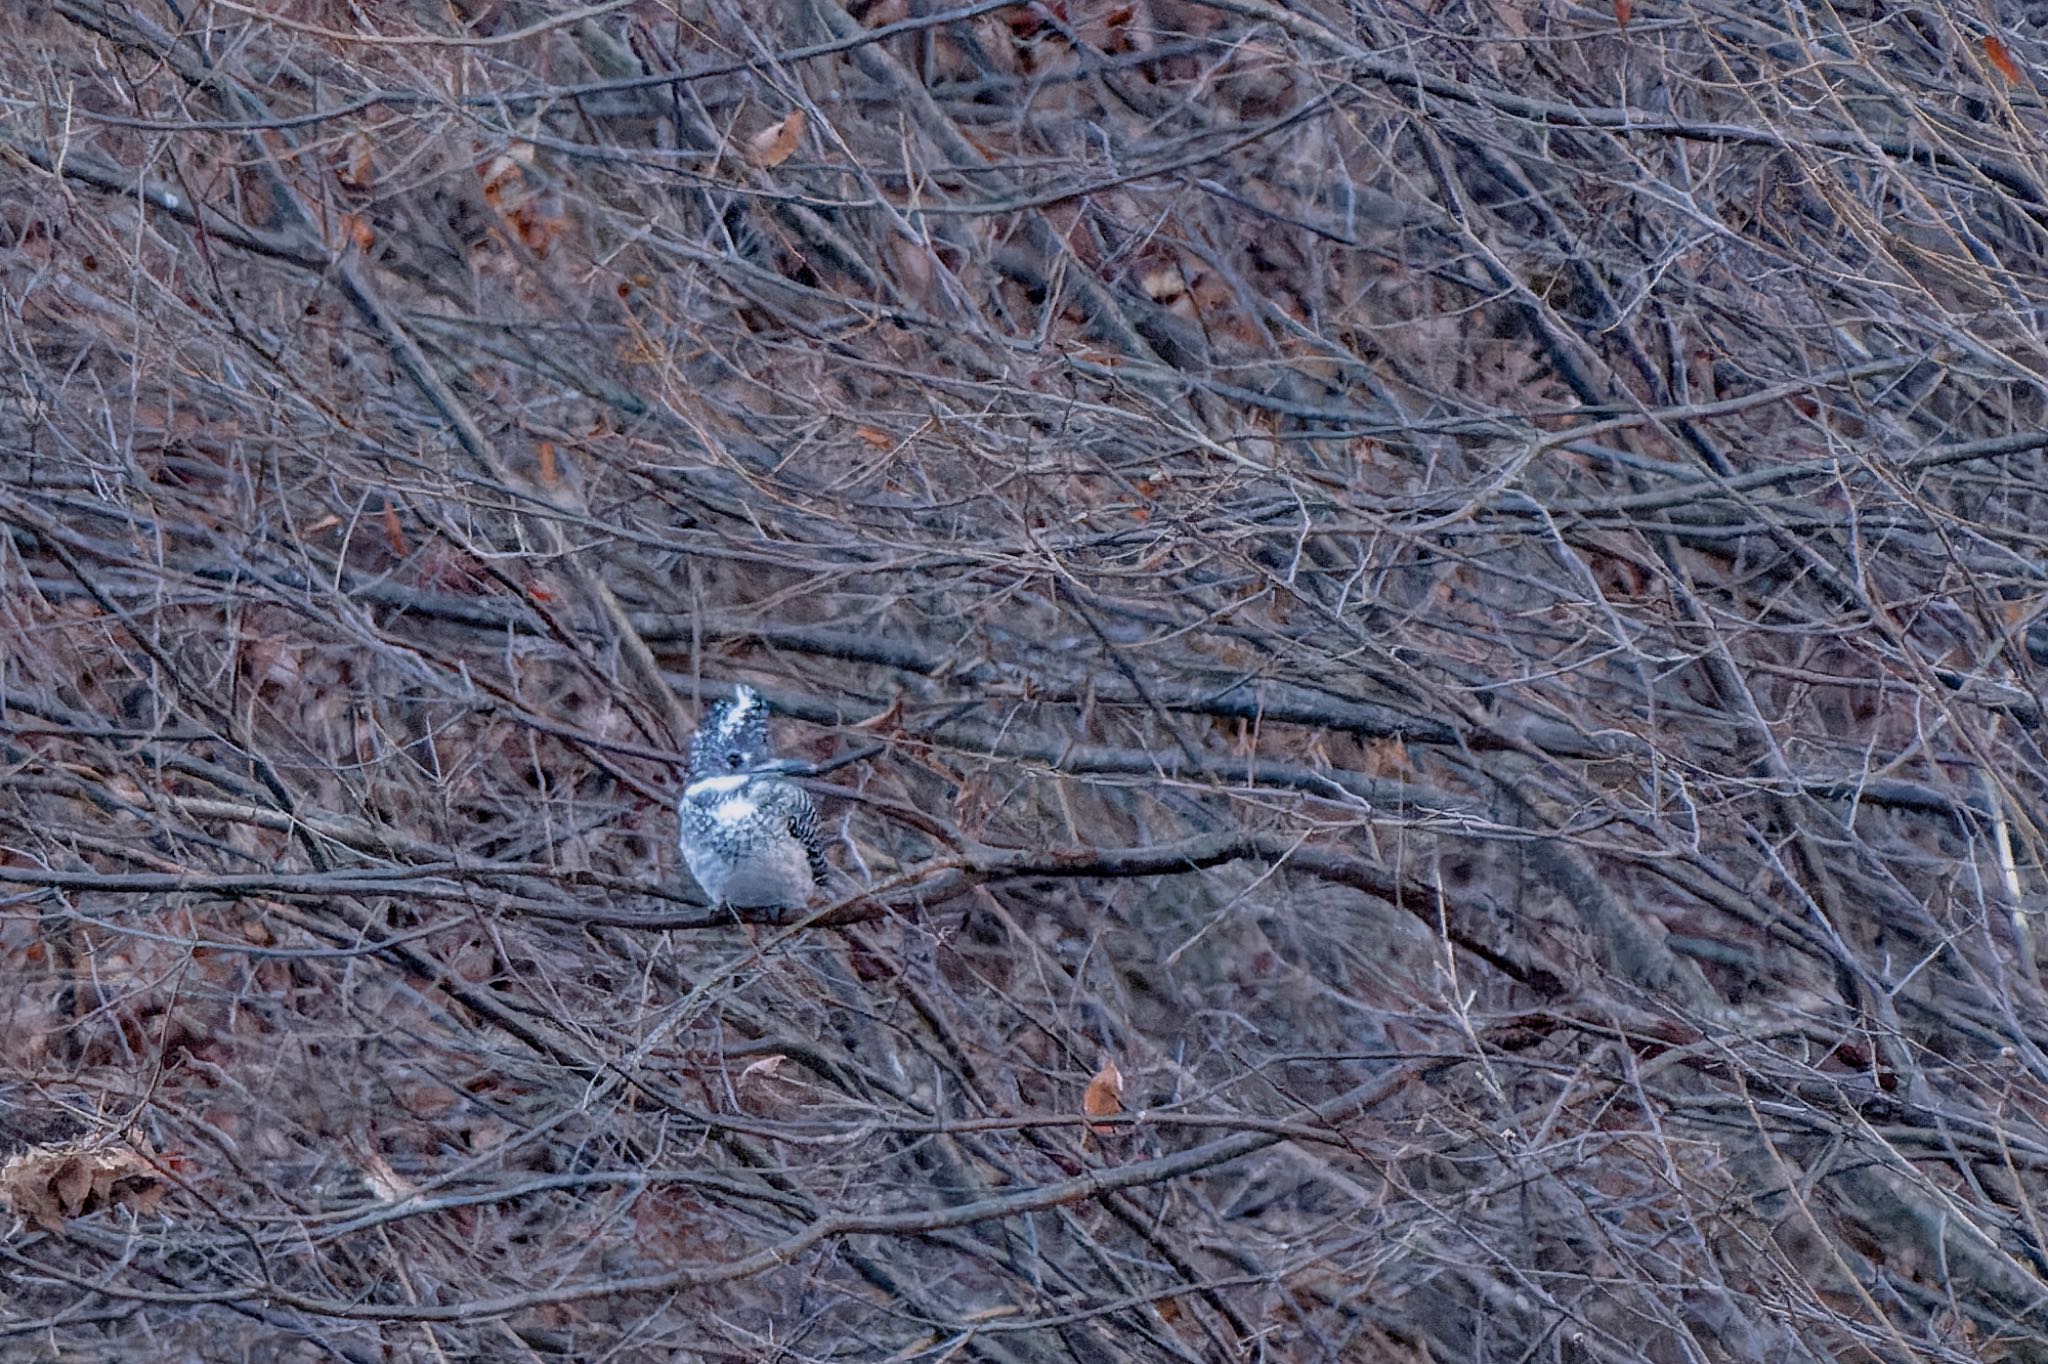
(733, 736)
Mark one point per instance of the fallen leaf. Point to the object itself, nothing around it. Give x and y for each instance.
(2001, 57)
(1164, 285)
(537, 225)
(763, 1089)
(505, 171)
(765, 1068)
(1623, 10)
(772, 145)
(394, 533)
(72, 1181)
(1104, 1097)
(357, 232)
(27, 1193)
(386, 1183)
(361, 167)
(50, 1184)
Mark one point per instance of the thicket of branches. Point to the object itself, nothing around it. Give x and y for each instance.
(1456, 590)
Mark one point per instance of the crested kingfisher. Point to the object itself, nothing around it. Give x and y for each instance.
(749, 834)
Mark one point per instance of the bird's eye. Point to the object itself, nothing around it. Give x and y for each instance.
(733, 759)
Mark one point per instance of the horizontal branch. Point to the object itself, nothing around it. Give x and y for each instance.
(1093, 1184)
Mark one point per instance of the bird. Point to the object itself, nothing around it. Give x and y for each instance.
(748, 834)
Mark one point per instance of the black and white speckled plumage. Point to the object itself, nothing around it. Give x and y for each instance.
(748, 834)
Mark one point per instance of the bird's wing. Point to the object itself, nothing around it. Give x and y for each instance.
(803, 823)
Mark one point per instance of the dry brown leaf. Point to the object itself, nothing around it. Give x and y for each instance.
(1164, 285)
(1623, 11)
(2001, 57)
(975, 803)
(26, 1191)
(394, 533)
(764, 1068)
(357, 232)
(773, 144)
(1104, 1096)
(763, 1089)
(49, 1184)
(360, 169)
(386, 1183)
(505, 171)
(72, 1181)
(539, 225)
(1388, 758)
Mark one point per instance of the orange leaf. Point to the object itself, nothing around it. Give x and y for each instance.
(537, 227)
(549, 475)
(1623, 9)
(773, 144)
(2002, 59)
(361, 167)
(505, 171)
(394, 534)
(357, 232)
(880, 440)
(1104, 1096)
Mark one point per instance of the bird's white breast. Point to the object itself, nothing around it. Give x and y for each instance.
(734, 810)
(706, 787)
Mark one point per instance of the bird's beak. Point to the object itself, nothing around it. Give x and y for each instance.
(781, 767)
